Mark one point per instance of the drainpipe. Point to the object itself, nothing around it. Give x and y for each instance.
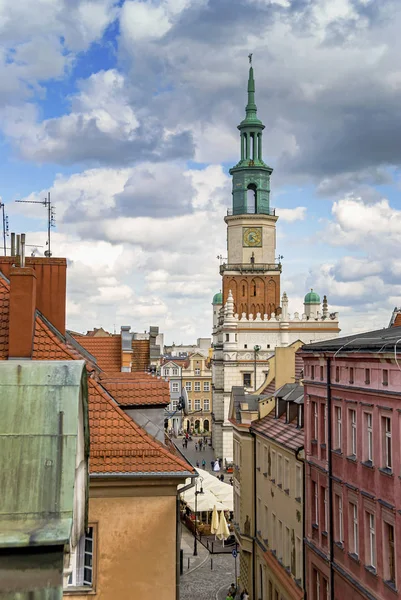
(330, 482)
(297, 451)
(254, 519)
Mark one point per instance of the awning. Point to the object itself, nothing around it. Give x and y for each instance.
(216, 492)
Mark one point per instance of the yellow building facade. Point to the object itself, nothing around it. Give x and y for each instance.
(197, 380)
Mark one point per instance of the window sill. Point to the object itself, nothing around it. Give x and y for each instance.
(325, 534)
(354, 557)
(313, 442)
(265, 475)
(340, 545)
(367, 463)
(390, 585)
(352, 458)
(315, 526)
(273, 480)
(385, 384)
(258, 469)
(337, 451)
(280, 485)
(298, 500)
(387, 472)
(323, 446)
(371, 570)
(287, 492)
(79, 591)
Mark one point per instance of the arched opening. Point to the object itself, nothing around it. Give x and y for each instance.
(243, 289)
(206, 425)
(251, 198)
(253, 287)
(197, 425)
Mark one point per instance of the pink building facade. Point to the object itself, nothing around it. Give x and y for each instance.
(353, 466)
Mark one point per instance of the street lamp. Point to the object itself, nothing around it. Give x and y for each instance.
(256, 350)
(196, 510)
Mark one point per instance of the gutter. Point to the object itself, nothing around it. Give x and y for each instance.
(143, 475)
(178, 527)
(330, 476)
(254, 518)
(297, 451)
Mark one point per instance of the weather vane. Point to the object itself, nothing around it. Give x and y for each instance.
(250, 58)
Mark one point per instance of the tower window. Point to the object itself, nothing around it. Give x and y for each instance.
(251, 198)
(253, 287)
(243, 290)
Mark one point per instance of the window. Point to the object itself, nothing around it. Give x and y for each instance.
(298, 482)
(387, 460)
(206, 404)
(175, 371)
(274, 466)
(206, 386)
(189, 404)
(315, 503)
(227, 337)
(274, 532)
(166, 372)
(367, 376)
(368, 438)
(351, 374)
(266, 523)
(197, 371)
(325, 509)
(279, 470)
(321, 373)
(298, 558)
(265, 460)
(337, 374)
(371, 546)
(323, 415)
(286, 475)
(197, 386)
(287, 548)
(389, 553)
(312, 372)
(338, 425)
(82, 561)
(339, 533)
(352, 432)
(385, 377)
(314, 420)
(197, 404)
(175, 386)
(247, 379)
(353, 534)
(280, 541)
(188, 386)
(174, 404)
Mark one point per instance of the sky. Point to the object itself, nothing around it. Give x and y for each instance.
(126, 112)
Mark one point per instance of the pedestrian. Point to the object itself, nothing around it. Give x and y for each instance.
(220, 462)
(196, 446)
(231, 481)
(233, 590)
(203, 464)
(200, 445)
(186, 443)
(183, 442)
(197, 463)
(222, 477)
(245, 595)
(212, 464)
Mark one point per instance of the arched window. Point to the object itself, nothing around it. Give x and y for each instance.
(243, 289)
(251, 198)
(253, 288)
(206, 425)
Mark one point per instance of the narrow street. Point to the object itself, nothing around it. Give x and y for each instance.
(203, 583)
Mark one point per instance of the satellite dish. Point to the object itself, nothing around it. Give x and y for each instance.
(183, 403)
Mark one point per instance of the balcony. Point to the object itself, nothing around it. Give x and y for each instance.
(250, 267)
(261, 211)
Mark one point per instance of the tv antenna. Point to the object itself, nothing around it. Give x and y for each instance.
(5, 226)
(51, 218)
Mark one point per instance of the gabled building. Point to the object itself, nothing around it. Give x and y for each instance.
(251, 316)
(133, 476)
(197, 380)
(353, 466)
(171, 370)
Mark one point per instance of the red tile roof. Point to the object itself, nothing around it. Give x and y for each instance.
(270, 389)
(146, 390)
(106, 350)
(397, 320)
(117, 443)
(286, 434)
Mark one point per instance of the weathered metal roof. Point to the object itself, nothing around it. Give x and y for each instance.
(39, 419)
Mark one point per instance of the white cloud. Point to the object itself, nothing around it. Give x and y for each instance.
(292, 214)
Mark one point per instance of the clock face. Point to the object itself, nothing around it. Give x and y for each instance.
(252, 237)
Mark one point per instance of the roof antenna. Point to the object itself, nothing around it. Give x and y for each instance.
(51, 218)
(5, 226)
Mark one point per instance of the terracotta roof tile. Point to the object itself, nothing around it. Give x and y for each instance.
(145, 390)
(140, 355)
(270, 389)
(119, 445)
(106, 350)
(286, 434)
(397, 320)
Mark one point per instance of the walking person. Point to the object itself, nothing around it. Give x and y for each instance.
(200, 445)
(196, 446)
(197, 463)
(203, 464)
(212, 464)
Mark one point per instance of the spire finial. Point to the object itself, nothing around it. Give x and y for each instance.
(250, 58)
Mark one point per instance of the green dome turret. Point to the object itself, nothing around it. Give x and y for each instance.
(312, 298)
(218, 298)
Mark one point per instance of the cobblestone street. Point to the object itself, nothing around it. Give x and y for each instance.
(202, 583)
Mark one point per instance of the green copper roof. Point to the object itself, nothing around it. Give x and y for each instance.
(40, 407)
(251, 108)
(218, 298)
(312, 298)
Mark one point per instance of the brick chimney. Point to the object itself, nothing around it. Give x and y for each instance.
(51, 282)
(22, 312)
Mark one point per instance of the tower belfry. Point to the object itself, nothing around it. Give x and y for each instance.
(251, 272)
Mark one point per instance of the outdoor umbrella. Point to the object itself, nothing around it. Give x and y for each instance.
(222, 530)
(215, 521)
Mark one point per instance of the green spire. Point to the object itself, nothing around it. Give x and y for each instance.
(251, 109)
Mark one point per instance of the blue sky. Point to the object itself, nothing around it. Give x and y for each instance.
(127, 112)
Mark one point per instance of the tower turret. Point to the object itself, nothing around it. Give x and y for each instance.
(251, 176)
